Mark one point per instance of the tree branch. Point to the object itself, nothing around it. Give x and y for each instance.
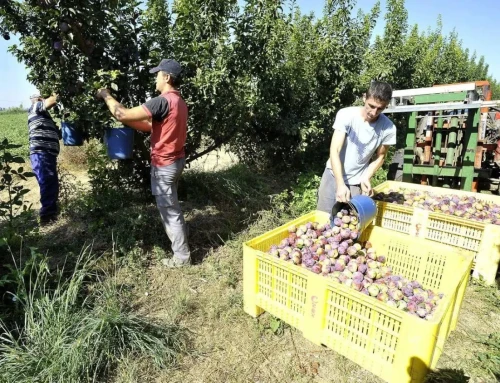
(216, 145)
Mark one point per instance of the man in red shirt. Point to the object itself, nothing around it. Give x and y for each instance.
(166, 118)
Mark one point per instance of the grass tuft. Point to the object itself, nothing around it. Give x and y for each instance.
(74, 331)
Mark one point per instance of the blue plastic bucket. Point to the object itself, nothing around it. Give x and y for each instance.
(364, 208)
(120, 143)
(71, 135)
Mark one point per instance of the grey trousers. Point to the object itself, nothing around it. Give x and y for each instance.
(164, 184)
(327, 192)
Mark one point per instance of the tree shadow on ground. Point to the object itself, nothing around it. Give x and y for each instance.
(217, 206)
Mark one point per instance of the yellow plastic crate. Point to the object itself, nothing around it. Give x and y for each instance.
(390, 343)
(482, 239)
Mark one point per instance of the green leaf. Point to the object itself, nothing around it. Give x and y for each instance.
(114, 86)
(18, 160)
(28, 174)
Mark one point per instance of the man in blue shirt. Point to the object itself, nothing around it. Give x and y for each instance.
(44, 138)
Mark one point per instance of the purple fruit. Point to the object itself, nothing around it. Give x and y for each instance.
(339, 266)
(392, 303)
(348, 273)
(422, 313)
(381, 258)
(408, 291)
(361, 260)
(274, 252)
(371, 254)
(372, 264)
(357, 276)
(337, 222)
(362, 268)
(309, 262)
(351, 250)
(402, 305)
(385, 271)
(343, 278)
(316, 269)
(373, 290)
(352, 267)
(397, 295)
(412, 307)
(356, 285)
(345, 233)
(371, 273)
(348, 282)
(284, 255)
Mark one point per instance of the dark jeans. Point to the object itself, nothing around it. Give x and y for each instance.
(45, 168)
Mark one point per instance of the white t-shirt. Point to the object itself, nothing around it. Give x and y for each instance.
(362, 141)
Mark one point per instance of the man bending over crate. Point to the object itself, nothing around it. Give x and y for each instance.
(359, 133)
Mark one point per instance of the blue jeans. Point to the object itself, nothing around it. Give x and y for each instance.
(45, 168)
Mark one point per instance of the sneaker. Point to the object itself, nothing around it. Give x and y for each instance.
(174, 263)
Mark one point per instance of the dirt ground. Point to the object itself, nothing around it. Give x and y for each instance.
(73, 169)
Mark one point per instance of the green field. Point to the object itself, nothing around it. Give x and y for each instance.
(14, 127)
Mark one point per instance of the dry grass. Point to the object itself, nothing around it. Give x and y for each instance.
(74, 157)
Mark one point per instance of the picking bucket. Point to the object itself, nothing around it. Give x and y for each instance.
(120, 143)
(363, 206)
(71, 135)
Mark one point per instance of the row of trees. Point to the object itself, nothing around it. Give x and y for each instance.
(263, 78)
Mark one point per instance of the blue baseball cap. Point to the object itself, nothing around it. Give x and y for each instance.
(169, 66)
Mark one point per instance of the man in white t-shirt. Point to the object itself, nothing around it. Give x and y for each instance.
(359, 134)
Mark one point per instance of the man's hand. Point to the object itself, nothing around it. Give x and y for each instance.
(102, 93)
(366, 187)
(343, 193)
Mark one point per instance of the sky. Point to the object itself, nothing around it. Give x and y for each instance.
(473, 23)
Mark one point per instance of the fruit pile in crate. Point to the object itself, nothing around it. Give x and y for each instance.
(458, 218)
(464, 206)
(332, 251)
